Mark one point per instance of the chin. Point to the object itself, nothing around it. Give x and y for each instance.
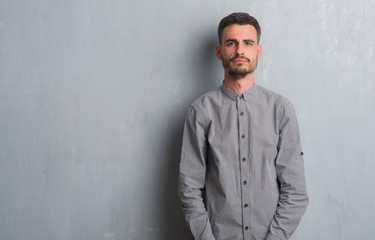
(239, 71)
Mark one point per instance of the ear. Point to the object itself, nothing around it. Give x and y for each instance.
(259, 51)
(218, 51)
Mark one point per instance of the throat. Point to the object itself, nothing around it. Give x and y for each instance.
(239, 85)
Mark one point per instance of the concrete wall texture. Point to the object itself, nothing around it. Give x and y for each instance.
(93, 94)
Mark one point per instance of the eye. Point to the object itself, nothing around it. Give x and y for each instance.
(249, 43)
(230, 44)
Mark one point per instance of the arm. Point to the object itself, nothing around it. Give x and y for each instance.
(192, 176)
(290, 172)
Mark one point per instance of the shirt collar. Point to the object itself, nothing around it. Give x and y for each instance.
(233, 95)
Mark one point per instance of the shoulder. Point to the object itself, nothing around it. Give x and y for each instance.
(271, 96)
(281, 104)
(202, 107)
(206, 101)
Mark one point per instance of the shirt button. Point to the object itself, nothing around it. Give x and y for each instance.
(246, 205)
(242, 136)
(241, 113)
(243, 159)
(244, 182)
(246, 228)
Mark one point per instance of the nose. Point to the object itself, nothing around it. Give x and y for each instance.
(240, 48)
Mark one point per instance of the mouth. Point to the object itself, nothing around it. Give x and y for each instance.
(240, 60)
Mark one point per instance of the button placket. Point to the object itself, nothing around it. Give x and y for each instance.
(244, 174)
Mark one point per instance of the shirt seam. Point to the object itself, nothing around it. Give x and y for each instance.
(279, 111)
(200, 117)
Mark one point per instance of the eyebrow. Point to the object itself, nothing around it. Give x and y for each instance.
(235, 40)
(249, 40)
(230, 40)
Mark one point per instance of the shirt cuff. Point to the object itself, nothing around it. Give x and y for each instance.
(272, 237)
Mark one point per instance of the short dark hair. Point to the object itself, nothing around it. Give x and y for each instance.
(238, 18)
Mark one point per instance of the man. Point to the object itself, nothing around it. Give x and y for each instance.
(241, 169)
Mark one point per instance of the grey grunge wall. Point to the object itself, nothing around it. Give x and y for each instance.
(93, 95)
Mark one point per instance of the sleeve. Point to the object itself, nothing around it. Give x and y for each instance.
(192, 174)
(290, 172)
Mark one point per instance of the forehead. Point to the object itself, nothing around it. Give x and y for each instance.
(237, 31)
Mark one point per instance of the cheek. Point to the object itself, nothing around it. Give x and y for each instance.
(254, 54)
(225, 55)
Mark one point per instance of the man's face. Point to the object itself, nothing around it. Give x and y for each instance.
(239, 50)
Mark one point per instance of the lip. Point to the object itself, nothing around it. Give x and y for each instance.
(239, 60)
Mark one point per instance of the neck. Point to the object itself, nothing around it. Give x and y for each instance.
(240, 85)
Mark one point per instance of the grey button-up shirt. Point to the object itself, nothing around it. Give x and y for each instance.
(241, 169)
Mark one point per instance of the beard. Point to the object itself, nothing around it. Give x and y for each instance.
(239, 70)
